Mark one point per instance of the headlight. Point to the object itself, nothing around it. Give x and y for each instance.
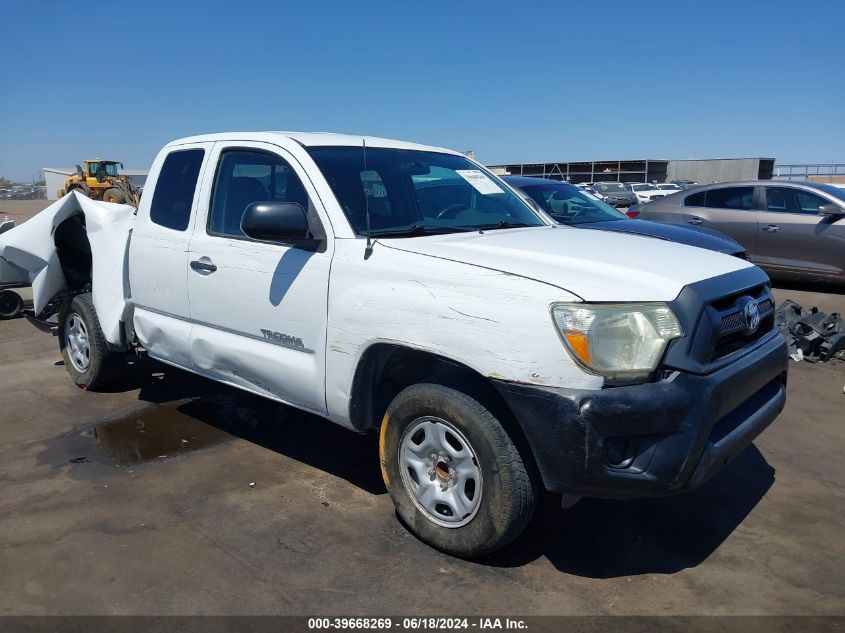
(621, 342)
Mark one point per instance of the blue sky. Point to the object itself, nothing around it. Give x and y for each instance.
(516, 82)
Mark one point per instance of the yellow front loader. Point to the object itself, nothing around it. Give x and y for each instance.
(101, 180)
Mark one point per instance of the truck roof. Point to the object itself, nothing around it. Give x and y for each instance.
(310, 139)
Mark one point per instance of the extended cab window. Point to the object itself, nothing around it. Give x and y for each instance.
(739, 198)
(247, 176)
(174, 189)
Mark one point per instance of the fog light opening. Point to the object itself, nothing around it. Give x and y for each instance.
(619, 453)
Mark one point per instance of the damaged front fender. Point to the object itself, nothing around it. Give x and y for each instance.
(28, 254)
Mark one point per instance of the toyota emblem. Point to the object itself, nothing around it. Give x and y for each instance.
(752, 316)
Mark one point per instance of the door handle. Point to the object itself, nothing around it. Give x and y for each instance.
(772, 228)
(695, 220)
(203, 266)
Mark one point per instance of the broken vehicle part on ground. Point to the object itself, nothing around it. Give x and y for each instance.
(406, 290)
(816, 335)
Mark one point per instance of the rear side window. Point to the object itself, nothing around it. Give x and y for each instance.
(174, 189)
(695, 200)
(739, 198)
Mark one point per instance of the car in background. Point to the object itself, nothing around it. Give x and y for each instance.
(570, 205)
(671, 187)
(685, 184)
(790, 229)
(590, 190)
(644, 191)
(615, 194)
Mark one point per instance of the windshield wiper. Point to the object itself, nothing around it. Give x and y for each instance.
(502, 224)
(421, 229)
(414, 229)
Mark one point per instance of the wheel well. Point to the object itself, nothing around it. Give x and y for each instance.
(386, 369)
(74, 251)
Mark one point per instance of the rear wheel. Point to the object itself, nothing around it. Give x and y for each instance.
(114, 194)
(456, 478)
(11, 304)
(86, 356)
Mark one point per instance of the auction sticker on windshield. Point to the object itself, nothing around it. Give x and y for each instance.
(479, 180)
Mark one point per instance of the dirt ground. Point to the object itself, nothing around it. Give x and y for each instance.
(175, 495)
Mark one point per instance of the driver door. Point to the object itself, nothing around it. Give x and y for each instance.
(259, 309)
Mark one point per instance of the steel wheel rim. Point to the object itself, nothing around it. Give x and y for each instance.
(77, 342)
(440, 472)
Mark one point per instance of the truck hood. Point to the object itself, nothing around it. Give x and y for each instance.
(594, 265)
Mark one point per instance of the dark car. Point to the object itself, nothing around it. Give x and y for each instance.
(567, 204)
(790, 229)
(615, 194)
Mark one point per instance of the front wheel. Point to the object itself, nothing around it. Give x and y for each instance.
(84, 350)
(114, 195)
(455, 476)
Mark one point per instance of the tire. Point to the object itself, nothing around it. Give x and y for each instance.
(11, 304)
(113, 194)
(87, 358)
(463, 519)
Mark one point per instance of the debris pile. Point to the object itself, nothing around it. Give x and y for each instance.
(812, 335)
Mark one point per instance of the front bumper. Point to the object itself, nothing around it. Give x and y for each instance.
(650, 439)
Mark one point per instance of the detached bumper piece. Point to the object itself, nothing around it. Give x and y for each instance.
(651, 439)
(817, 336)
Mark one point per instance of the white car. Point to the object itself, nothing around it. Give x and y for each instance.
(669, 187)
(590, 190)
(645, 192)
(405, 290)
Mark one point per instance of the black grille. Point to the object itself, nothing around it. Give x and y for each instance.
(730, 322)
(732, 335)
(731, 343)
(736, 320)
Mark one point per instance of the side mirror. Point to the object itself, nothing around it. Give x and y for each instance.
(831, 209)
(281, 222)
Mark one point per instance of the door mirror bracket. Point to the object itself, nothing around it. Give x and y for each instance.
(831, 209)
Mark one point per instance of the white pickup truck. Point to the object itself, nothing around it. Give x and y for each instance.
(405, 289)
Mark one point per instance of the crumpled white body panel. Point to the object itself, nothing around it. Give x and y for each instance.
(28, 254)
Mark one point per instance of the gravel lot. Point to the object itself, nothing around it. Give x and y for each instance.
(174, 495)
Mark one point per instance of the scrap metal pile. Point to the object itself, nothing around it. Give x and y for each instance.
(812, 335)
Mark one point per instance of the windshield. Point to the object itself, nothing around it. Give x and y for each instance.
(608, 187)
(836, 192)
(669, 187)
(642, 188)
(413, 192)
(102, 169)
(569, 205)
